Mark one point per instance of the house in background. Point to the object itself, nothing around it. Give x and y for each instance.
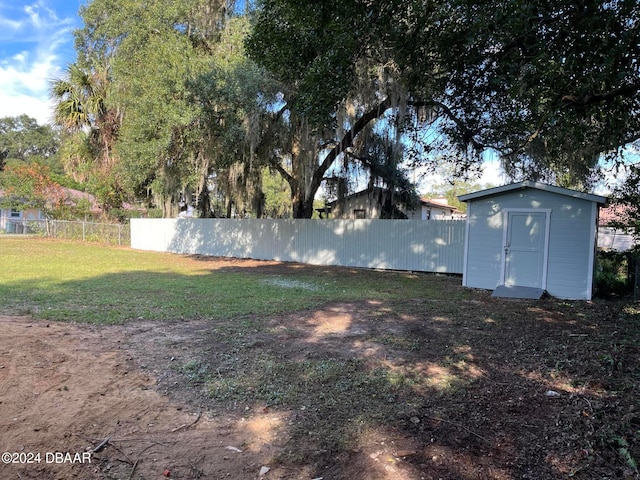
(609, 236)
(12, 220)
(526, 238)
(12, 216)
(435, 209)
(368, 204)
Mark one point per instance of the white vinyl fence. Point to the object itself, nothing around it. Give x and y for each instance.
(613, 239)
(418, 245)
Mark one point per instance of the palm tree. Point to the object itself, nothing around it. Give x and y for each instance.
(81, 106)
(80, 98)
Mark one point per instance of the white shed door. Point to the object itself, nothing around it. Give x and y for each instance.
(525, 248)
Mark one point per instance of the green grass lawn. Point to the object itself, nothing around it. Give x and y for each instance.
(417, 356)
(70, 281)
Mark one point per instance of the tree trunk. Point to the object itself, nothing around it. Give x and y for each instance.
(304, 208)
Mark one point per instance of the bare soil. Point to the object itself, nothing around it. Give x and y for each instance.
(516, 390)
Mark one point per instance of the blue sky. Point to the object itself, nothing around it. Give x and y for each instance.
(36, 45)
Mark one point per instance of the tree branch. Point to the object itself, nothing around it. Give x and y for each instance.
(625, 91)
(467, 133)
(274, 162)
(347, 139)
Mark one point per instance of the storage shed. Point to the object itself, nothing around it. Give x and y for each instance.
(528, 237)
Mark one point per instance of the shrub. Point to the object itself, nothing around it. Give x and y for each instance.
(613, 275)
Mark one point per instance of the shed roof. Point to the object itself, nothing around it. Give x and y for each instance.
(536, 185)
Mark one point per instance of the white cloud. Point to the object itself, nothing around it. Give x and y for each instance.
(24, 88)
(34, 15)
(24, 85)
(7, 27)
(35, 48)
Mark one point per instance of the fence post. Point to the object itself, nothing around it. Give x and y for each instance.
(635, 259)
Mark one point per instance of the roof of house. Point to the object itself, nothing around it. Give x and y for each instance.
(360, 193)
(439, 203)
(76, 195)
(535, 185)
(429, 202)
(613, 213)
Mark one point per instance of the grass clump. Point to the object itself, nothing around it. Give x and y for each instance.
(275, 381)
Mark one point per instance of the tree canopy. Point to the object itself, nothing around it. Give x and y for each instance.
(32, 185)
(186, 100)
(23, 140)
(550, 86)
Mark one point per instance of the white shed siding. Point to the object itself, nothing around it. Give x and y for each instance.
(570, 247)
(571, 237)
(485, 232)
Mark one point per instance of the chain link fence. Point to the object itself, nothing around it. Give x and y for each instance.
(108, 233)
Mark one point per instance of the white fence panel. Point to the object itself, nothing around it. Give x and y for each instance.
(429, 246)
(612, 239)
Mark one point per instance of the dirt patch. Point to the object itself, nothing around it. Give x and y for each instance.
(477, 388)
(67, 388)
